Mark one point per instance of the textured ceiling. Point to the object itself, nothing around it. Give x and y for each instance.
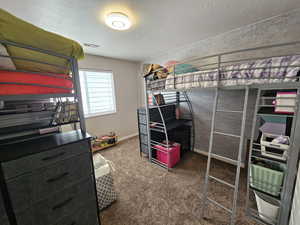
(159, 25)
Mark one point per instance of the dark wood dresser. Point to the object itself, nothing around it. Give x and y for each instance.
(48, 181)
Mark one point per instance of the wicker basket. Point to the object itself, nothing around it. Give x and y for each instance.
(266, 179)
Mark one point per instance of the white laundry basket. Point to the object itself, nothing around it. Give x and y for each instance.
(268, 211)
(104, 181)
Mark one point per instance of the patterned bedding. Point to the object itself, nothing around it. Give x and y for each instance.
(270, 70)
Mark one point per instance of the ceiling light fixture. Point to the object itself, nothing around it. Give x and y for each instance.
(118, 21)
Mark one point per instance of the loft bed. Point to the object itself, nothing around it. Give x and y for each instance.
(215, 71)
(269, 71)
(39, 80)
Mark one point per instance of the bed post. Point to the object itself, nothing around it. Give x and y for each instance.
(75, 74)
(289, 182)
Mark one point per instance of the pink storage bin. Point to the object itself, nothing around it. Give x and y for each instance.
(282, 105)
(169, 156)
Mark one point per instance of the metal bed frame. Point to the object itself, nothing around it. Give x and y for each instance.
(72, 66)
(292, 161)
(217, 64)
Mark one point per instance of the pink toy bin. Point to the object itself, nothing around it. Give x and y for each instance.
(169, 156)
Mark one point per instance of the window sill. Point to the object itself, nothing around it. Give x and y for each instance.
(99, 114)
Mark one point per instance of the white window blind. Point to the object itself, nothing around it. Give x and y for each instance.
(98, 94)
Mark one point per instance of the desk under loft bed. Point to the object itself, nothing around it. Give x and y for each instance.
(267, 70)
(46, 176)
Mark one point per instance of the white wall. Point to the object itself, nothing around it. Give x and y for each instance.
(124, 121)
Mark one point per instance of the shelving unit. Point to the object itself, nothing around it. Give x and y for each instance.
(43, 117)
(255, 153)
(96, 149)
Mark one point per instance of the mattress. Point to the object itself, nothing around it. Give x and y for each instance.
(16, 30)
(269, 70)
(17, 83)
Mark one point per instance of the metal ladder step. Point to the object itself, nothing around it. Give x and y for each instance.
(219, 205)
(229, 111)
(221, 181)
(227, 134)
(232, 161)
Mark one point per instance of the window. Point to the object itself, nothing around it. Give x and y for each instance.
(98, 94)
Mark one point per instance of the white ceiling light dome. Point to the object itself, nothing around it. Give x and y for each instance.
(118, 21)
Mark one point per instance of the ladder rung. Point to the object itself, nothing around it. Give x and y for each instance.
(232, 161)
(222, 181)
(230, 111)
(226, 134)
(219, 205)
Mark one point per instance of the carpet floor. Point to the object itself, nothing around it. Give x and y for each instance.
(150, 195)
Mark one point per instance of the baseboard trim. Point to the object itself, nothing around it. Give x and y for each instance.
(218, 157)
(128, 137)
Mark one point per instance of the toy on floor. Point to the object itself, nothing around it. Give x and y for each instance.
(104, 141)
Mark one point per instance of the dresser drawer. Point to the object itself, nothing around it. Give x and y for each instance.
(3, 216)
(86, 215)
(142, 118)
(2, 209)
(144, 149)
(54, 209)
(4, 221)
(40, 184)
(144, 139)
(27, 164)
(143, 129)
(24, 218)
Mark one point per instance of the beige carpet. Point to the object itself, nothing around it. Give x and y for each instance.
(149, 195)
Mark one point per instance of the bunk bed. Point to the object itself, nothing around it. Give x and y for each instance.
(267, 71)
(37, 66)
(40, 92)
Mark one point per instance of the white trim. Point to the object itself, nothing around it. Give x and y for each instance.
(129, 136)
(87, 116)
(217, 157)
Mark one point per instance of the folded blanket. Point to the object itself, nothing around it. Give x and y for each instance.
(6, 63)
(16, 30)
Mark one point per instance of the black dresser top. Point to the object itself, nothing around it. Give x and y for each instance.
(43, 143)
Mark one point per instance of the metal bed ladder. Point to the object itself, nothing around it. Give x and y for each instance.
(211, 155)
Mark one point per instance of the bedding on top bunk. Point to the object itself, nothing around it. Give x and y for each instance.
(17, 83)
(16, 30)
(270, 70)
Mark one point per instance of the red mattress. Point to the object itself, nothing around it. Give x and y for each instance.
(60, 81)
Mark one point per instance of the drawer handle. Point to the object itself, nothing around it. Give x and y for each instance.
(53, 156)
(62, 204)
(59, 177)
